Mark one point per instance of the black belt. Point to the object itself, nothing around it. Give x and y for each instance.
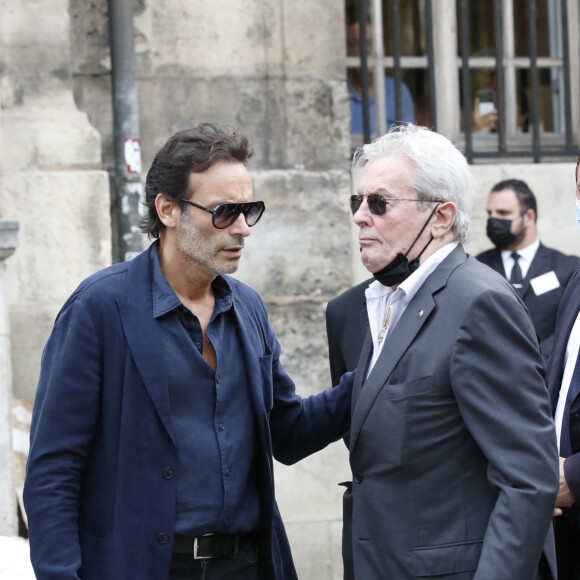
(212, 545)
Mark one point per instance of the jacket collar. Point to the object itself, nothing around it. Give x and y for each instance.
(416, 314)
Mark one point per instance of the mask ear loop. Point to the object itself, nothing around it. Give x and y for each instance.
(419, 234)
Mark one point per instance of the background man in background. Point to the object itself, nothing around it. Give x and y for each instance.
(355, 89)
(538, 273)
(563, 384)
(162, 400)
(452, 446)
(346, 326)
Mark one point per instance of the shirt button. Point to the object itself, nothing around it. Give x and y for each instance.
(217, 379)
(168, 473)
(358, 477)
(198, 345)
(162, 538)
(228, 472)
(222, 427)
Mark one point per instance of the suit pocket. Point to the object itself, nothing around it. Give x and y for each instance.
(446, 559)
(267, 384)
(385, 431)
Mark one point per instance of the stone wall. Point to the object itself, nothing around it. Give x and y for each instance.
(51, 181)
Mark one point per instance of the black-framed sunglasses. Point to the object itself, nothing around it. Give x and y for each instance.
(225, 214)
(378, 203)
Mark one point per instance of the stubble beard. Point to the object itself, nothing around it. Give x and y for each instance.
(198, 251)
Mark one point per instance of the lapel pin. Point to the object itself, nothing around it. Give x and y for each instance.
(421, 313)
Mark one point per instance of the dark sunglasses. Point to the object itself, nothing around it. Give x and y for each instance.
(378, 203)
(225, 214)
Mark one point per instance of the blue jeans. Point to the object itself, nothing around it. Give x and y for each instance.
(240, 566)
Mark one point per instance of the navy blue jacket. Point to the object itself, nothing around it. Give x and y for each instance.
(100, 492)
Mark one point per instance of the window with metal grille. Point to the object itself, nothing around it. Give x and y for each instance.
(499, 77)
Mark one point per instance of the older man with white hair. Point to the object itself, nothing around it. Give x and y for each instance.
(452, 446)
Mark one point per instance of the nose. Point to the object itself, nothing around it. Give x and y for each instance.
(240, 227)
(362, 216)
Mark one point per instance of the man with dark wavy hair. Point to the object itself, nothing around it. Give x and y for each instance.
(162, 400)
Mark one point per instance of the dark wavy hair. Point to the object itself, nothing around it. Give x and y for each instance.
(190, 151)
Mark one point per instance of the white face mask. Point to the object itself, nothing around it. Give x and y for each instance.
(578, 212)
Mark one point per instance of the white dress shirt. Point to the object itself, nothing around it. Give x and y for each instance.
(569, 363)
(380, 297)
(526, 256)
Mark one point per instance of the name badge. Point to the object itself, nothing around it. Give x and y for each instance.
(545, 283)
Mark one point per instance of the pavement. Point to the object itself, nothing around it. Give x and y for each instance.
(15, 559)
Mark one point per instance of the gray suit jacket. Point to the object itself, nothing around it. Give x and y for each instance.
(452, 446)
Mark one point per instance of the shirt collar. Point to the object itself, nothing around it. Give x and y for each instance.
(164, 297)
(526, 253)
(411, 285)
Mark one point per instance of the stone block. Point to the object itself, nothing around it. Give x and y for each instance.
(301, 247)
(314, 39)
(64, 233)
(47, 139)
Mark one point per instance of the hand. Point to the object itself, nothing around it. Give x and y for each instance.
(485, 122)
(565, 497)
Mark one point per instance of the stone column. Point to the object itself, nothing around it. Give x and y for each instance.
(8, 519)
(446, 76)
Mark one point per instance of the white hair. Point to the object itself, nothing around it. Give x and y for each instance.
(440, 171)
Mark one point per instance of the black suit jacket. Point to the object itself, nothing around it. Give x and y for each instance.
(542, 308)
(346, 327)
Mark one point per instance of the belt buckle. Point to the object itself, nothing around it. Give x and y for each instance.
(195, 547)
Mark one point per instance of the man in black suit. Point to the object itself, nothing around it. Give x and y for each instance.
(346, 325)
(540, 274)
(563, 381)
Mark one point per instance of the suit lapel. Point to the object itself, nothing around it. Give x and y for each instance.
(496, 263)
(564, 328)
(397, 343)
(537, 267)
(144, 337)
(416, 314)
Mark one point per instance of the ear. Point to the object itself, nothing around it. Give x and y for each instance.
(444, 219)
(167, 210)
(530, 217)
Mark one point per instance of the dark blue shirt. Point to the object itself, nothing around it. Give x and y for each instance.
(211, 413)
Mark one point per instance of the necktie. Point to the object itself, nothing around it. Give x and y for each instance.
(565, 446)
(516, 278)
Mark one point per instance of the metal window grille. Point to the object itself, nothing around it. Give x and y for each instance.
(506, 140)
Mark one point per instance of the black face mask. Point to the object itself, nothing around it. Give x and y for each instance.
(399, 269)
(500, 232)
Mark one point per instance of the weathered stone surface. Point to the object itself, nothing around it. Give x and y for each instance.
(47, 139)
(244, 63)
(301, 247)
(64, 236)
